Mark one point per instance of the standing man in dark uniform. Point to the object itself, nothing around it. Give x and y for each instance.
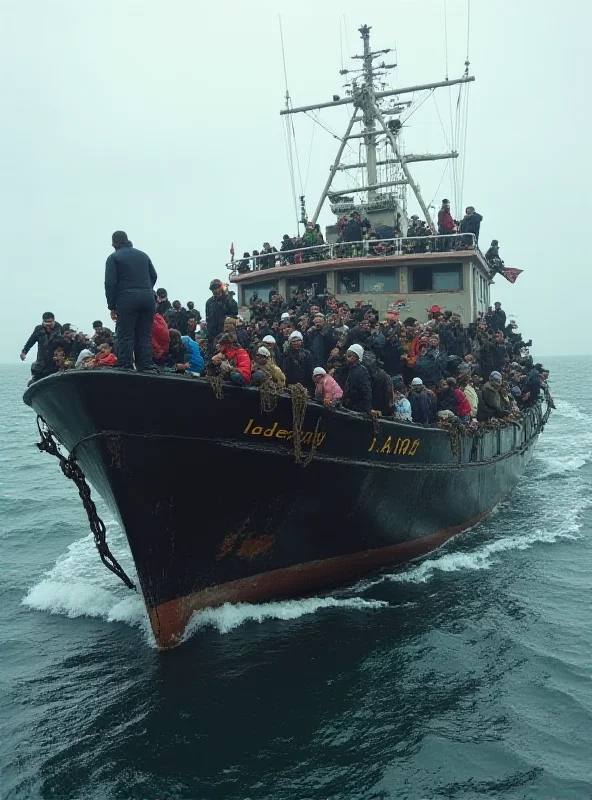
(129, 288)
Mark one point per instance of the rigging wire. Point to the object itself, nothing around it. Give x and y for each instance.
(440, 184)
(411, 113)
(446, 38)
(287, 134)
(314, 128)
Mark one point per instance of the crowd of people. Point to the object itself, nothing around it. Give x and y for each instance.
(356, 237)
(345, 356)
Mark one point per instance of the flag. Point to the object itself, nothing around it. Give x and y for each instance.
(511, 274)
(232, 251)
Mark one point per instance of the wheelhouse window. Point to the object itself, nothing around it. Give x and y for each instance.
(379, 280)
(440, 278)
(262, 289)
(349, 282)
(368, 281)
(312, 285)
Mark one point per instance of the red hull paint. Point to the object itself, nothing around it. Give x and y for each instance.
(169, 620)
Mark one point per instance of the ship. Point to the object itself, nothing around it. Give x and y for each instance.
(226, 496)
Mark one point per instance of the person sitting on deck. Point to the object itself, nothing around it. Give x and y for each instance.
(231, 362)
(105, 357)
(298, 363)
(491, 404)
(264, 366)
(327, 390)
(184, 354)
(85, 359)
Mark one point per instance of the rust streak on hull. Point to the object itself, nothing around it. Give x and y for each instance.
(169, 620)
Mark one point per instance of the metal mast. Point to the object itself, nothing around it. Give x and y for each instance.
(366, 96)
(366, 100)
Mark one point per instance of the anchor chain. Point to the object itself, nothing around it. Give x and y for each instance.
(73, 472)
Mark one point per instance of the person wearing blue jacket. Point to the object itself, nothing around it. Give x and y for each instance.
(184, 354)
(129, 288)
(193, 355)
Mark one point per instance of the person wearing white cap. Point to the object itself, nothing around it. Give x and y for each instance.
(271, 345)
(285, 317)
(357, 395)
(298, 363)
(327, 390)
(420, 402)
(263, 366)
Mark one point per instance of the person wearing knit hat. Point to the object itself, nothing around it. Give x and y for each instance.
(274, 351)
(327, 390)
(264, 368)
(285, 317)
(298, 363)
(357, 350)
(495, 377)
(417, 382)
(357, 395)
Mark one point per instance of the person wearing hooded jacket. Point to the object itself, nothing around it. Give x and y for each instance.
(357, 395)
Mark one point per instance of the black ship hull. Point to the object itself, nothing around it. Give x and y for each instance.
(216, 510)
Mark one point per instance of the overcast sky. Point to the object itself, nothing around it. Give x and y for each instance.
(161, 117)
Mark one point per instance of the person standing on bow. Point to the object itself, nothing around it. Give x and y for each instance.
(129, 288)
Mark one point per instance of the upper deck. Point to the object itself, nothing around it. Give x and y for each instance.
(412, 273)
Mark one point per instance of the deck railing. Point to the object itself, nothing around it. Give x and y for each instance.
(367, 248)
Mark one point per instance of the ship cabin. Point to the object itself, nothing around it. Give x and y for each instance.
(410, 274)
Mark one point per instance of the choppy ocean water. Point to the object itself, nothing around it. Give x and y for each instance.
(466, 675)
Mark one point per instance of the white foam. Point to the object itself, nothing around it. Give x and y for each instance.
(77, 599)
(228, 616)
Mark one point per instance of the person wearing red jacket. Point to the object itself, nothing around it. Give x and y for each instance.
(105, 357)
(233, 362)
(161, 339)
(463, 405)
(446, 224)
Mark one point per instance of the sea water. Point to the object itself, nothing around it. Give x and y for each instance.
(465, 675)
